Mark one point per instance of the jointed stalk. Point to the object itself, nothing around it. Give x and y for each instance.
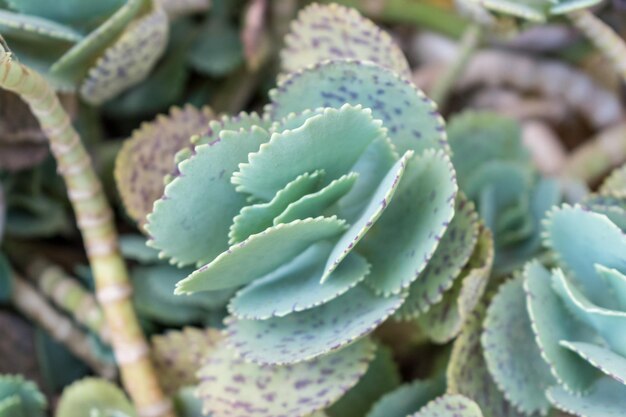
(33, 305)
(467, 45)
(70, 296)
(95, 221)
(603, 37)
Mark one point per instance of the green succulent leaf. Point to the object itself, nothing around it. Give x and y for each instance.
(467, 372)
(382, 377)
(67, 11)
(134, 247)
(612, 207)
(266, 391)
(606, 398)
(403, 240)
(616, 281)
(236, 122)
(604, 243)
(295, 286)
(189, 224)
(128, 60)
(553, 323)
(451, 405)
(607, 361)
(320, 202)
(347, 131)
(378, 203)
(409, 116)
(36, 28)
(260, 254)
(217, 49)
(615, 184)
(452, 254)
(602, 320)
(93, 394)
(255, 218)
(408, 398)
(73, 64)
(19, 397)
(512, 356)
(324, 32)
(6, 280)
(178, 355)
(444, 320)
(148, 156)
(304, 335)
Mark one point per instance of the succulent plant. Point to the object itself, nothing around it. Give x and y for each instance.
(100, 48)
(94, 397)
(333, 211)
(556, 337)
(20, 398)
(536, 10)
(496, 172)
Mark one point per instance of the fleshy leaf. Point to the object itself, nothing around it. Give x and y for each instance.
(67, 11)
(308, 334)
(535, 10)
(178, 355)
(260, 254)
(379, 201)
(296, 286)
(129, 60)
(93, 394)
(25, 25)
(403, 240)
(603, 243)
(190, 223)
(453, 252)
(552, 323)
(133, 246)
(231, 387)
(217, 49)
(513, 358)
(443, 321)
(148, 156)
(467, 372)
(408, 398)
(604, 321)
(258, 217)
(605, 360)
(450, 405)
(606, 398)
(410, 117)
(74, 63)
(331, 141)
(616, 281)
(24, 397)
(382, 376)
(316, 204)
(236, 122)
(324, 32)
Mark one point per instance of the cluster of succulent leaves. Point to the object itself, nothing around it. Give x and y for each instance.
(20, 398)
(335, 210)
(495, 171)
(533, 10)
(554, 335)
(98, 48)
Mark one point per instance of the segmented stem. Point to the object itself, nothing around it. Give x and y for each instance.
(67, 293)
(95, 221)
(28, 301)
(603, 37)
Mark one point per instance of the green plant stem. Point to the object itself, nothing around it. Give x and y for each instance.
(95, 221)
(445, 83)
(28, 301)
(603, 37)
(419, 13)
(70, 296)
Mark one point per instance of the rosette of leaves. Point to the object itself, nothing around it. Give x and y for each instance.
(100, 48)
(534, 10)
(556, 337)
(20, 398)
(326, 213)
(496, 172)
